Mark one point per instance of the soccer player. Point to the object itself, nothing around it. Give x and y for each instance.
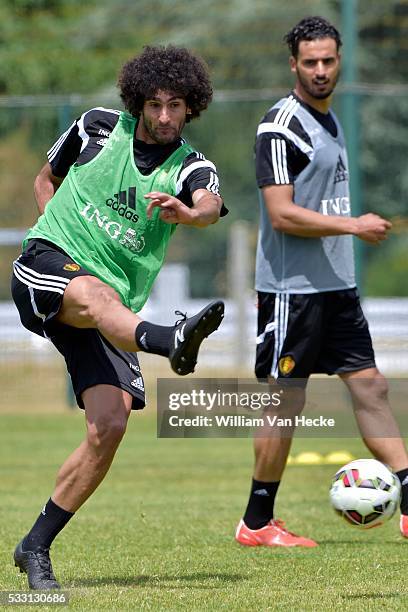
(310, 319)
(114, 188)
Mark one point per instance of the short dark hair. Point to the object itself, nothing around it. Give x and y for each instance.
(170, 68)
(311, 28)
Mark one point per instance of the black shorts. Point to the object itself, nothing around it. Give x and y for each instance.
(40, 277)
(302, 334)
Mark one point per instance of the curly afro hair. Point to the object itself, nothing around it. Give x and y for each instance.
(170, 68)
(311, 28)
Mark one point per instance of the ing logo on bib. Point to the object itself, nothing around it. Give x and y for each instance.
(286, 365)
(71, 267)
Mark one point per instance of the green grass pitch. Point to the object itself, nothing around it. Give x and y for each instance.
(158, 534)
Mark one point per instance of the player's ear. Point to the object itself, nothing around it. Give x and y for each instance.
(292, 63)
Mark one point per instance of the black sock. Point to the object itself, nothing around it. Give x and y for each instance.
(152, 338)
(48, 525)
(403, 478)
(260, 505)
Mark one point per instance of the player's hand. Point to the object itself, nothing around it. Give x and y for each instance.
(172, 210)
(372, 228)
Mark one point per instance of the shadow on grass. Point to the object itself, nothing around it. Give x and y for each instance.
(360, 542)
(160, 581)
(373, 596)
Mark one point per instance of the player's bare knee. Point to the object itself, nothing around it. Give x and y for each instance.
(371, 387)
(380, 387)
(105, 436)
(375, 388)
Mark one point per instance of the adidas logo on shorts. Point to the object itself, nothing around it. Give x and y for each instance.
(138, 384)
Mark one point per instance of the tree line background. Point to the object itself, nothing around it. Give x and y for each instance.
(61, 57)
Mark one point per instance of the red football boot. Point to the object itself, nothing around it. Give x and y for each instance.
(273, 534)
(404, 525)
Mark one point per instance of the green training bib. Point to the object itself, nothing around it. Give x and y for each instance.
(98, 216)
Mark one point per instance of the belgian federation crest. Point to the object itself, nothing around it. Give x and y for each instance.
(71, 267)
(286, 365)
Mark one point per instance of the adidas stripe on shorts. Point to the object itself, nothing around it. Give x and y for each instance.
(40, 276)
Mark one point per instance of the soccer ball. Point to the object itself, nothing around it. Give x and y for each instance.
(365, 493)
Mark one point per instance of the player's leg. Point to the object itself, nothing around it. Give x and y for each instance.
(379, 430)
(90, 303)
(272, 444)
(107, 410)
(378, 427)
(48, 286)
(271, 454)
(349, 353)
(280, 319)
(110, 382)
(271, 448)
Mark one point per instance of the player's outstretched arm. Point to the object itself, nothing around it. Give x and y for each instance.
(290, 218)
(45, 185)
(205, 210)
